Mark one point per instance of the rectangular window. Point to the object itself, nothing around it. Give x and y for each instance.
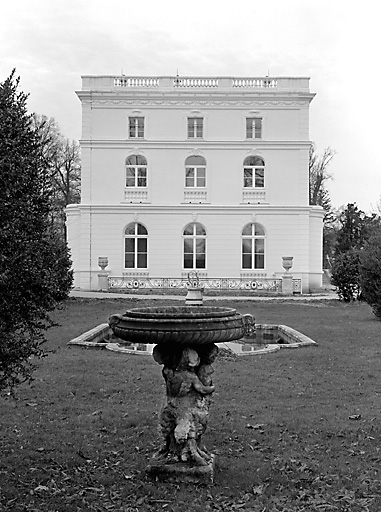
(253, 127)
(129, 255)
(142, 254)
(142, 177)
(136, 127)
(248, 178)
(246, 254)
(200, 253)
(259, 254)
(136, 177)
(195, 177)
(136, 252)
(194, 253)
(188, 253)
(189, 176)
(253, 248)
(195, 127)
(201, 177)
(259, 177)
(130, 177)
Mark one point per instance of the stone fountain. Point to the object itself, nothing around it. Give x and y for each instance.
(185, 338)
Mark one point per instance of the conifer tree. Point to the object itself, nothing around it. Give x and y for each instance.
(34, 263)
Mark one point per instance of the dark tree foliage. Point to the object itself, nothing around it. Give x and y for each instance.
(345, 275)
(370, 272)
(355, 230)
(34, 263)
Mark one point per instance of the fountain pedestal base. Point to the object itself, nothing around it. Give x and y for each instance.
(182, 472)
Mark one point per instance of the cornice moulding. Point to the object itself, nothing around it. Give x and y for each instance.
(201, 145)
(199, 208)
(275, 102)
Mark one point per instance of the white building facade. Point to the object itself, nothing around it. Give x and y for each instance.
(205, 174)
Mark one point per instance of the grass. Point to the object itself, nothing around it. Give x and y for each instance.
(296, 430)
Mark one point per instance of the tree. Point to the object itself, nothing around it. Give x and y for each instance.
(34, 262)
(346, 275)
(370, 272)
(62, 162)
(318, 176)
(356, 228)
(319, 195)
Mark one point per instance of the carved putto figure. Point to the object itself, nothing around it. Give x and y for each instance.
(184, 417)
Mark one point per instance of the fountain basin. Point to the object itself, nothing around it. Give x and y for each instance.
(267, 338)
(185, 325)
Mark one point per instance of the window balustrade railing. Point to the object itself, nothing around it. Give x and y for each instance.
(195, 196)
(135, 196)
(253, 196)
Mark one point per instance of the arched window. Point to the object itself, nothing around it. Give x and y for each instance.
(254, 172)
(253, 246)
(135, 246)
(195, 172)
(194, 236)
(136, 171)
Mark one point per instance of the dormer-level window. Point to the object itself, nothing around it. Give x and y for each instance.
(136, 127)
(253, 127)
(195, 127)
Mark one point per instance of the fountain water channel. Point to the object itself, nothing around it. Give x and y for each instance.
(185, 341)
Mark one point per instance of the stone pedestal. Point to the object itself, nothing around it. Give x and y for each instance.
(194, 296)
(187, 372)
(103, 280)
(287, 284)
(182, 473)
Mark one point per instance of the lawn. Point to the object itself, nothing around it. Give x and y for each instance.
(295, 430)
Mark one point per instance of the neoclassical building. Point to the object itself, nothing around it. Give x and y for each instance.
(207, 174)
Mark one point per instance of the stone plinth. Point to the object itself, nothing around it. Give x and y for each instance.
(182, 472)
(287, 284)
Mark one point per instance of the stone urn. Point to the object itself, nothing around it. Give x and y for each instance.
(185, 338)
(287, 262)
(102, 262)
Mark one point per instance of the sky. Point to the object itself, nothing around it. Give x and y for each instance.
(336, 43)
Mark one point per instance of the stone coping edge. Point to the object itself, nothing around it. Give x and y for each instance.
(98, 338)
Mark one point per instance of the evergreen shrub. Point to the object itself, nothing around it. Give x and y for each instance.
(345, 275)
(370, 273)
